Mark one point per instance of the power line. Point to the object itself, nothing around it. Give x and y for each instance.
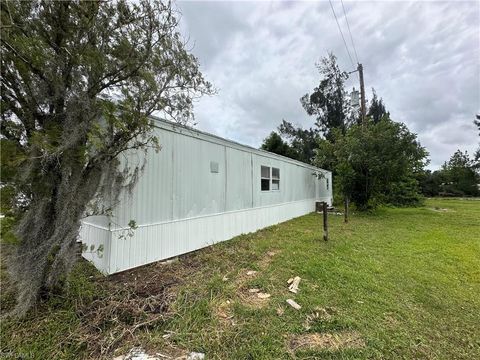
(341, 33)
(348, 26)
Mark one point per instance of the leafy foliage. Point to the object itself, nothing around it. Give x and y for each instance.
(377, 110)
(372, 164)
(375, 164)
(476, 156)
(457, 177)
(299, 143)
(302, 141)
(328, 101)
(460, 176)
(79, 81)
(274, 143)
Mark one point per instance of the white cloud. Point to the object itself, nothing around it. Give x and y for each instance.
(421, 57)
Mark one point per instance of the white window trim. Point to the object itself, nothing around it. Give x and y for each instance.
(266, 178)
(270, 179)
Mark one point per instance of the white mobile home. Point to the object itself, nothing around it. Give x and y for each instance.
(200, 189)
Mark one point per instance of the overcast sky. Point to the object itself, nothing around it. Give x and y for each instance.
(423, 59)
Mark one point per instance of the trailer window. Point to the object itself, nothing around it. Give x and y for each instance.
(275, 179)
(327, 184)
(265, 178)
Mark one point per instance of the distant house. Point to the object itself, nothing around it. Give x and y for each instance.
(200, 189)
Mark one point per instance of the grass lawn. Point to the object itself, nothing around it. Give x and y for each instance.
(400, 283)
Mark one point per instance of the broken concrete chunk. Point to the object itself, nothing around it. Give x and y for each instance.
(251, 272)
(195, 356)
(293, 304)
(294, 285)
(137, 353)
(253, 290)
(261, 295)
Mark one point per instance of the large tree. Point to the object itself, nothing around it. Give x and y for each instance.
(329, 102)
(294, 142)
(302, 141)
(460, 175)
(274, 143)
(79, 81)
(375, 164)
(377, 110)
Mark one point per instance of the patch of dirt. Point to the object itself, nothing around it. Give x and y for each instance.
(256, 299)
(326, 341)
(267, 259)
(243, 277)
(132, 300)
(390, 320)
(224, 313)
(437, 209)
(325, 314)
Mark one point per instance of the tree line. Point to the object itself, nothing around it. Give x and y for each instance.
(459, 176)
(374, 161)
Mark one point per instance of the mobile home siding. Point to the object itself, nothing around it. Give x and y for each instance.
(199, 190)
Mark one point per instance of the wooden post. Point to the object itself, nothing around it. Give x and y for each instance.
(325, 222)
(346, 208)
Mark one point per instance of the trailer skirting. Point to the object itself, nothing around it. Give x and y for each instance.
(153, 242)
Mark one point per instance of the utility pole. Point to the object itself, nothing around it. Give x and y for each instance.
(362, 94)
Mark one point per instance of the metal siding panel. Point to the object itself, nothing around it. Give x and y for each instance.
(180, 205)
(196, 190)
(182, 236)
(239, 180)
(155, 179)
(96, 236)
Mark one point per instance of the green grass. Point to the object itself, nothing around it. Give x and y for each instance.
(406, 280)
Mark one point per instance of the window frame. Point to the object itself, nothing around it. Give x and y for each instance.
(262, 178)
(275, 179)
(271, 179)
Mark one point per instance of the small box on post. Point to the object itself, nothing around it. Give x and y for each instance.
(318, 206)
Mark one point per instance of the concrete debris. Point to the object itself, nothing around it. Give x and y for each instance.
(293, 304)
(195, 356)
(261, 295)
(251, 272)
(294, 284)
(136, 353)
(253, 290)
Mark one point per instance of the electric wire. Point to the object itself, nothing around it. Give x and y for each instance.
(341, 33)
(351, 38)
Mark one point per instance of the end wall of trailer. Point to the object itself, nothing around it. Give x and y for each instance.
(96, 237)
